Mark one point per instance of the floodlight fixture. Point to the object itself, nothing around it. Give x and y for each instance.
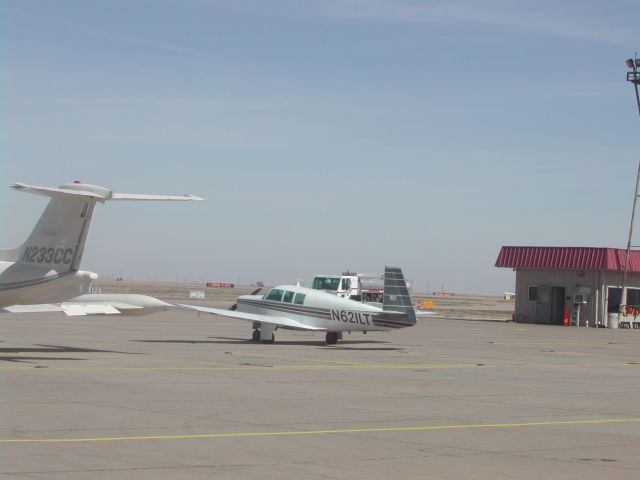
(634, 75)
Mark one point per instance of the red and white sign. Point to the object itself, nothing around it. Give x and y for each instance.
(220, 285)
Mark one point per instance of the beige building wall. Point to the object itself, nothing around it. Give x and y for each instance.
(574, 282)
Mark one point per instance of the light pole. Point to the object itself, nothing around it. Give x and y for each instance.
(633, 76)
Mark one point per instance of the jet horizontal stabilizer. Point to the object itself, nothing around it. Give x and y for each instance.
(99, 193)
(142, 196)
(69, 190)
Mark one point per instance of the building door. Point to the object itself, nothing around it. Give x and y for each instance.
(543, 305)
(550, 305)
(614, 296)
(557, 305)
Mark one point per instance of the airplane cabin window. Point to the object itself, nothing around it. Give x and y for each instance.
(288, 297)
(275, 294)
(299, 300)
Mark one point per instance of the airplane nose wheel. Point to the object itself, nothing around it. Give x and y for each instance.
(332, 338)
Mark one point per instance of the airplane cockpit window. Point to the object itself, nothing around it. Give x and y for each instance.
(275, 294)
(299, 300)
(288, 297)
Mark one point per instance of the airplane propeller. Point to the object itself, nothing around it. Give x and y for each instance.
(235, 305)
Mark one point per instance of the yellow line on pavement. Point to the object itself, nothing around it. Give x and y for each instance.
(325, 432)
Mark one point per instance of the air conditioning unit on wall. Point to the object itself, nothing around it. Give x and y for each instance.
(581, 298)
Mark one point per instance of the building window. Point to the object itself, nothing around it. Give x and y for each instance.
(613, 302)
(633, 297)
(533, 294)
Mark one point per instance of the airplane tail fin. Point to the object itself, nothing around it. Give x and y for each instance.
(396, 294)
(58, 239)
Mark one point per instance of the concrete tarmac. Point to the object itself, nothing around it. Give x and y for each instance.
(181, 395)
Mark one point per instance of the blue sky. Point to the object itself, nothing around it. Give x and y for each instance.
(325, 135)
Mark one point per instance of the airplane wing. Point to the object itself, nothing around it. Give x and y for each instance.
(97, 304)
(283, 322)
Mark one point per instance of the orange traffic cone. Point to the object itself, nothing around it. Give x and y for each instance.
(565, 317)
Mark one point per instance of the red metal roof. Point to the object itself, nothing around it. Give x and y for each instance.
(570, 258)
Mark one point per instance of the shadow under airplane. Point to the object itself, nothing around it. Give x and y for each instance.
(242, 341)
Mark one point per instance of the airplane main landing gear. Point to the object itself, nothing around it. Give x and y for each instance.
(256, 336)
(332, 338)
(263, 332)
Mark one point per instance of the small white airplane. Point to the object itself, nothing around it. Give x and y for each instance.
(298, 308)
(45, 267)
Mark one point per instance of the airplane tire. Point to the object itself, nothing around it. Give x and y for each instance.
(332, 338)
(256, 335)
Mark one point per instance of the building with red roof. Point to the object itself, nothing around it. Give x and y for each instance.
(583, 284)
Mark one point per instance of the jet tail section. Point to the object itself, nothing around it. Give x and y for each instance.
(396, 294)
(58, 239)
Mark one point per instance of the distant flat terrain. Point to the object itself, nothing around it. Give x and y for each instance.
(458, 306)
